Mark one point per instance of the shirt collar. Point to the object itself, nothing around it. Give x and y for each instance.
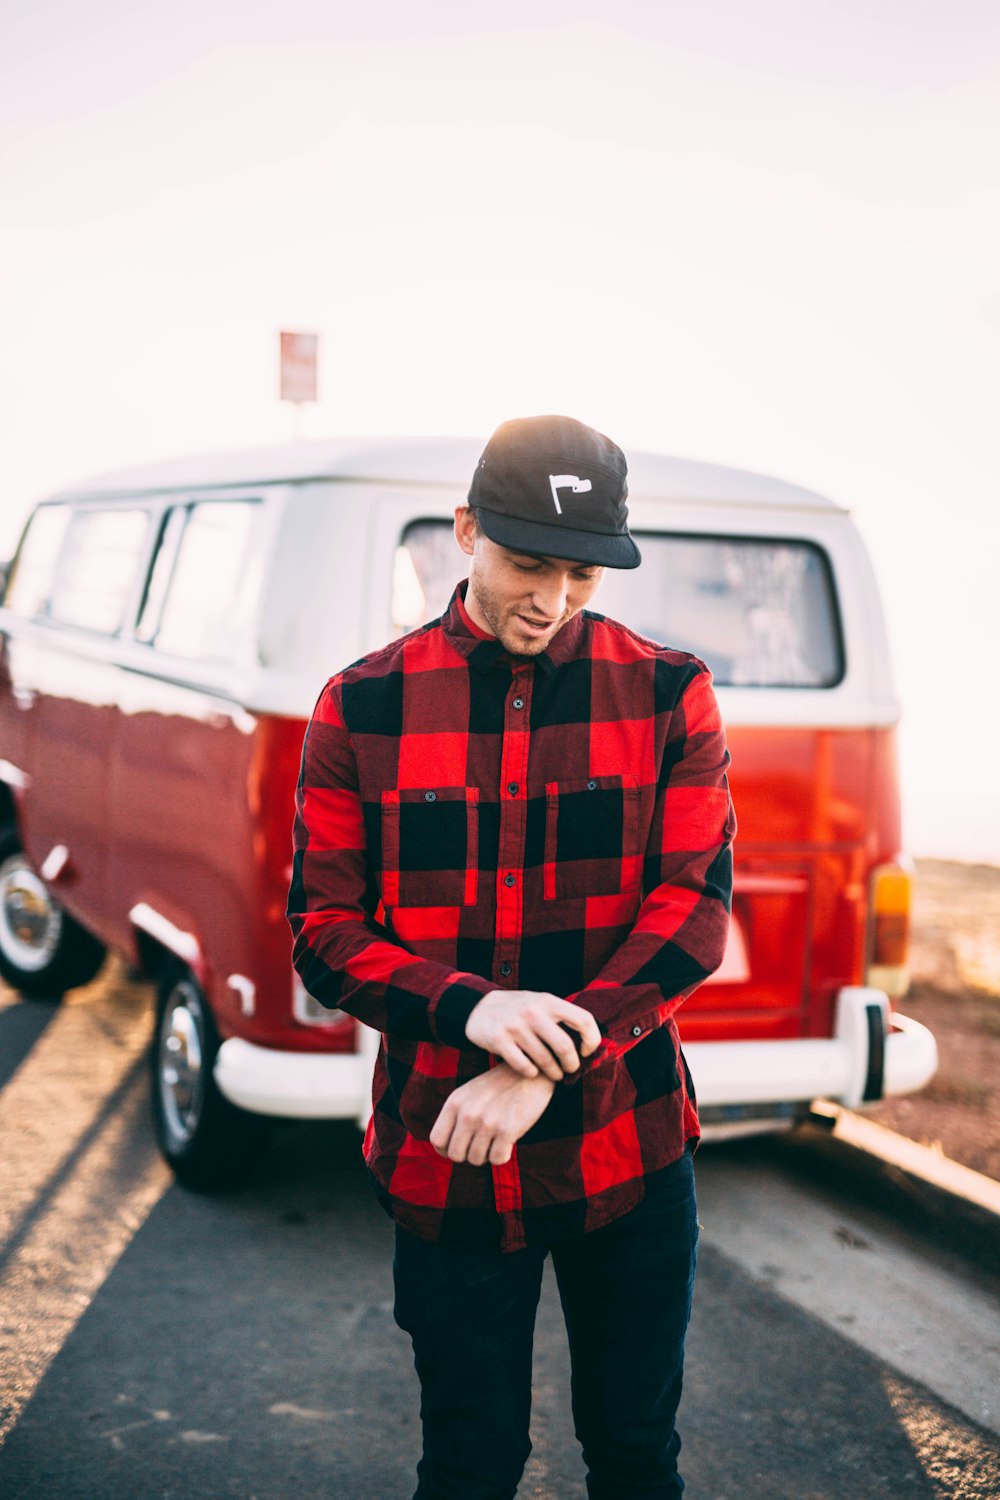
(485, 653)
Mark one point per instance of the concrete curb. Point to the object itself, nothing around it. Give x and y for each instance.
(957, 1208)
(921, 1162)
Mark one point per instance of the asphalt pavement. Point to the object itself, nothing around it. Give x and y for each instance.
(157, 1344)
(244, 1347)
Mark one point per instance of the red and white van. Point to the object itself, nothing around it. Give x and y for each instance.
(164, 636)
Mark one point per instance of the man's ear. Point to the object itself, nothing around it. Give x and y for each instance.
(465, 529)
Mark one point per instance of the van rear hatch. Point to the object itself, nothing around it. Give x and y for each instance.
(763, 612)
(802, 862)
(753, 592)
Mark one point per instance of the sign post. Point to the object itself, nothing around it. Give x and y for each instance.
(298, 369)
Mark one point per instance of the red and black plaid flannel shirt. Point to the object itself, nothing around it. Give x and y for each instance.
(468, 821)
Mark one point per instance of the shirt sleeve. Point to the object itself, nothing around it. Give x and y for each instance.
(341, 951)
(680, 931)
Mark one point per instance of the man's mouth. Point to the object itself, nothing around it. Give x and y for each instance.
(536, 627)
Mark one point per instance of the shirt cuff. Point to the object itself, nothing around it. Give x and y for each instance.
(450, 1013)
(613, 1045)
(593, 1060)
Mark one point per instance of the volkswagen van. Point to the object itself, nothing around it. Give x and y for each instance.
(164, 635)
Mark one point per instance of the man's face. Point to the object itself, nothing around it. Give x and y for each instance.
(522, 600)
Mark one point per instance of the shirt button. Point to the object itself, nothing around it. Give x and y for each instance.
(430, 796)
(510, 880)
(512, 787)
(637, 1031)
(506, 970)
(518, 702)
(591, 786)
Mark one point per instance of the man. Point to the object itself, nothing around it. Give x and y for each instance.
(513, 858)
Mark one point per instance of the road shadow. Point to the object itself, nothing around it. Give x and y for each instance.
(244, 1348)
(21, 1024)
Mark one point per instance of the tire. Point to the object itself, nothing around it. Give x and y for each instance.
(207, 1141)
(43, 951)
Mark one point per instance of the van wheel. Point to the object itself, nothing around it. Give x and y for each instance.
(43, 951)
(208, 1142)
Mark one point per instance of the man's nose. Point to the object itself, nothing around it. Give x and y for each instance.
(550, 597)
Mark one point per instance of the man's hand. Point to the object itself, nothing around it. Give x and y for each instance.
(525, 1028)
(483, 1118)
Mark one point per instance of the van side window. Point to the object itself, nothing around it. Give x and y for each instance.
(99, 568)
(209, 600)
(34, 567)
(761, 611)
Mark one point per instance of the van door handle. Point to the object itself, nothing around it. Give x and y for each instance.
(24, 697)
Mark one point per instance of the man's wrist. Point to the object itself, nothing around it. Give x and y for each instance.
(540, 1078)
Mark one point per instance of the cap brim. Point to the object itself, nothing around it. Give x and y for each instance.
(536, 538)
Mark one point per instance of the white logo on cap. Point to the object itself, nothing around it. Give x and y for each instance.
(568, 482)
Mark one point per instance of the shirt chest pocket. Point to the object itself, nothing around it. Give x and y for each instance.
(591, 837)
(430, 846)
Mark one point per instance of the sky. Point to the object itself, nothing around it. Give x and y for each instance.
(756, 232)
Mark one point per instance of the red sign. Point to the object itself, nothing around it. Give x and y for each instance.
(298, 366)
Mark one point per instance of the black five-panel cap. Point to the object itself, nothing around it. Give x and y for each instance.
(552, 487)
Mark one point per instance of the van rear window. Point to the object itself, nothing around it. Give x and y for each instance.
(761, 611)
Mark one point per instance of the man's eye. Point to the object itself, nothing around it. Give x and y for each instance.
(526, 567)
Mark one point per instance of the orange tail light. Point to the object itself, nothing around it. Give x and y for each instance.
(889, 929)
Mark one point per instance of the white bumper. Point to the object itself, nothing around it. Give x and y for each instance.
(297, 1085)
(872, 1053)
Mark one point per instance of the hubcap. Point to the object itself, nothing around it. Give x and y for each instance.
(30, 921)
(181, 1062)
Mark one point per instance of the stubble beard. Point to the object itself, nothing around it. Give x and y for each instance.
(498, 618)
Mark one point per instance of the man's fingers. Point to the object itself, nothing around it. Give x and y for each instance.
(461, 1139)
(482, 1119)
(479, 1147)
(556, 1068)
(541, 1042)
(443, 1126)
(537, 1045)
(515, 1057)
(526, 1028)
(557, 1039)
(582, 1022)
(500, 1150)
(544, 1035)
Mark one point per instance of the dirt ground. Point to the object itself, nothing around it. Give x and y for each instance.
(956, 993)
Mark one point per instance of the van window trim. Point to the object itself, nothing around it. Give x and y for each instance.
(164, 513)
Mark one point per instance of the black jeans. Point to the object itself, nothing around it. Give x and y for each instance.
(626, 1295)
